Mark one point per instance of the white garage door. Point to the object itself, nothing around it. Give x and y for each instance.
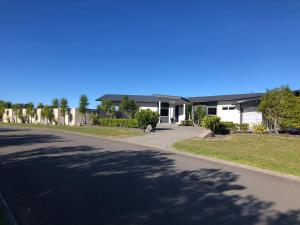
(250, 115)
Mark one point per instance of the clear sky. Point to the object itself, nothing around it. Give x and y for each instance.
(190, 48)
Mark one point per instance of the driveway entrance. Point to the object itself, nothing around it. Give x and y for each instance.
(165, 135)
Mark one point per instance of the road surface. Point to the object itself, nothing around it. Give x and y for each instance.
(52, 178)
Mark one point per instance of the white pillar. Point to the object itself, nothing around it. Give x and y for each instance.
(170, 114)
(184, 116)
(159, 105)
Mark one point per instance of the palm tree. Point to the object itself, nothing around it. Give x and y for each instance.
(63, 108)
(47, 114)
(30, 110)
(83, 103)
(56, 105)
(16, 108)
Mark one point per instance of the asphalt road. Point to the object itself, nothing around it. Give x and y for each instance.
(52, 178)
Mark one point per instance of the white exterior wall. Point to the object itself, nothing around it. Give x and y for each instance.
(250, 115)
(7, 116)
(228, 115)
(181, 116)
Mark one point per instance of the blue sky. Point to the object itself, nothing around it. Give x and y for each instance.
(190, 48)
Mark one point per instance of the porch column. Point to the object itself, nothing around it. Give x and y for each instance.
(170, 114)
(184, 116)
(159, 106)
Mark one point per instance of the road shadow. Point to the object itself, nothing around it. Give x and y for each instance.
(27, 139)
(85, 185)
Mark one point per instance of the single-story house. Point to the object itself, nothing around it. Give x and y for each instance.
(237, 108)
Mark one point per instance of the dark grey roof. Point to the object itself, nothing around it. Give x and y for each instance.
(137, 98)
(225, 97)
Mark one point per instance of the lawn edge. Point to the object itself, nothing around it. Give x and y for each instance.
(109, 137)
(240, 165)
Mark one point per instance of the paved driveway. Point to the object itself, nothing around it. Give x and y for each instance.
(51, 178)
(165, 135)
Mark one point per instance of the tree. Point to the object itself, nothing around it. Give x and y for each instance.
(279, 107)
(40, 105)
(30, 111)
(16, 110)
(83, 104)
(4, 105)
(189, 112)
(55, 103)
(47, 114)
(63, 108)
(128, 107)
(108, 107)
(199, 114)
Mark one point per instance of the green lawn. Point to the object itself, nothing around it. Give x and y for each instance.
(277, 153)
(88, 130)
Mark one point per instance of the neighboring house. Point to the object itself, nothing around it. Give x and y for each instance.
(239, 108)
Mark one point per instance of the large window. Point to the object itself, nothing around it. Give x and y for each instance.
(211, 111)
(164, 109)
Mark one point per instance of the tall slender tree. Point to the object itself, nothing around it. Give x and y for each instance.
(16, 109)
(56, 105)
(63, 108)
(83, 104)
(108, 107)
(47, 114)
(30, 111)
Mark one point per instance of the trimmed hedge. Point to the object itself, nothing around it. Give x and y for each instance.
(112, 122)
(228, 127)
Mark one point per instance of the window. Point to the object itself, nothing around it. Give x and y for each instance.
(225, 108)
(211, 110)
(232, 108)
(164, 109)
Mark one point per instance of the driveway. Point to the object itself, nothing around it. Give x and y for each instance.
(51, 178)
(165, 135)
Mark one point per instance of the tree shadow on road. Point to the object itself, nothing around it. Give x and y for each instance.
(85, 185)
(8, 140)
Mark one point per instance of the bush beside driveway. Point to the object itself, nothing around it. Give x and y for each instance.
(273, 152)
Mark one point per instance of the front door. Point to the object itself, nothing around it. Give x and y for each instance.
(176, 113)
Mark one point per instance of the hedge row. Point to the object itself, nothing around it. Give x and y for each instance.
(112, 122)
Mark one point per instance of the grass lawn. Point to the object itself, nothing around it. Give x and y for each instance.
(277, 153)
(88, 130)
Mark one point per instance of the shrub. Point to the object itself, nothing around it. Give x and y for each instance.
(259, 128)
(186, 123)
(110, 122)
(211, 122)
(147, 117)
(244, 127)
(94, 118)
(228, 127)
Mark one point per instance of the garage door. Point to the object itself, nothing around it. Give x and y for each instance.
(250, 115)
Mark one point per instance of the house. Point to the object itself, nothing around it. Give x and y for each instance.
(170, 108)
(239, 108)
